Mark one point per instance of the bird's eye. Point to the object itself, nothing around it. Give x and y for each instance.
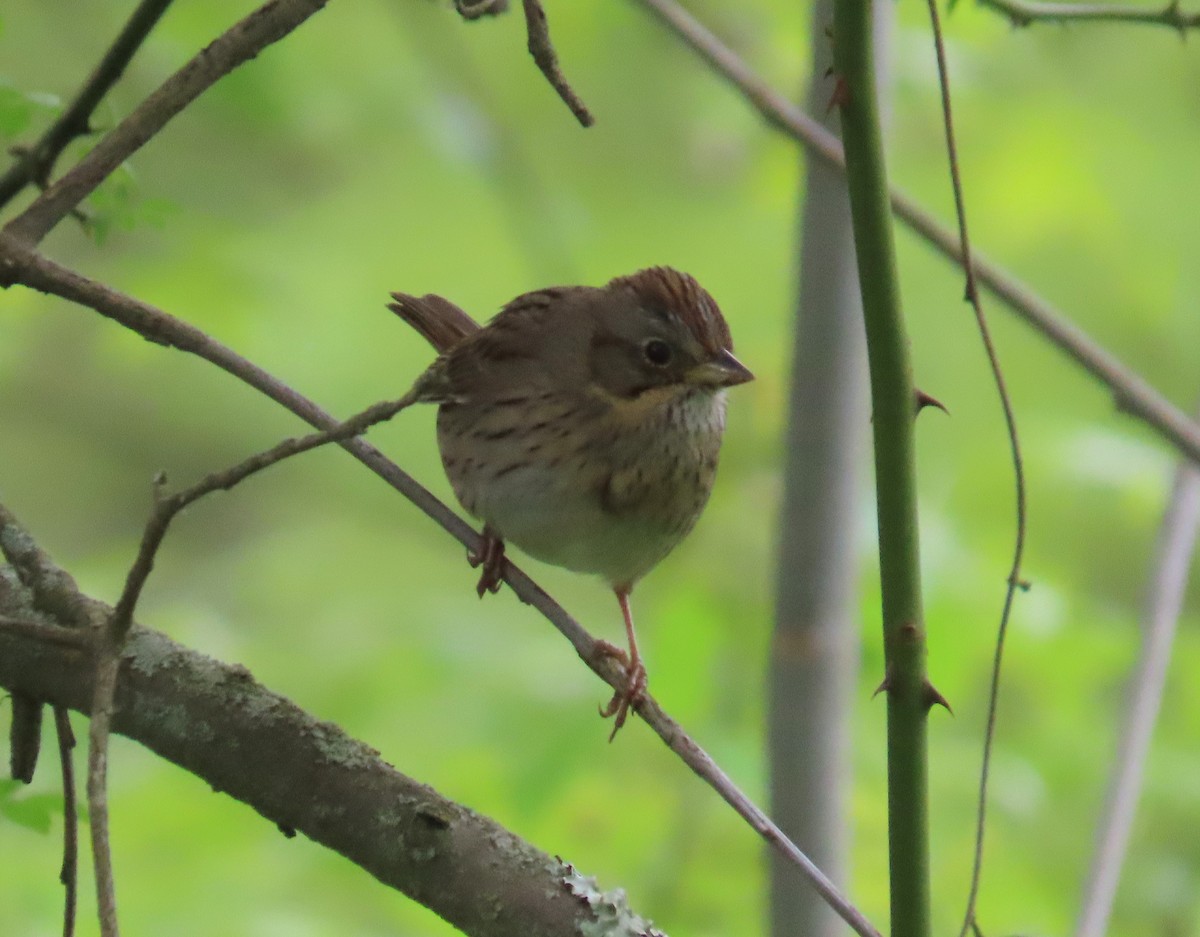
(657, 352)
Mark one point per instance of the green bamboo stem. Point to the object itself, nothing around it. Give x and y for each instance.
(893, 406)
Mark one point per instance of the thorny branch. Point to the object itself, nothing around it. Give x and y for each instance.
(1132, 393)
(1010, 421)
(1027, 12)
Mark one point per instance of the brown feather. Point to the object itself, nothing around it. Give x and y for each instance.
(436, 319)
(679, 295)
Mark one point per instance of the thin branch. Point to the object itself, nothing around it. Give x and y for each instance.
(1132, 394)
(35, 271)
(1025, 12)
(1010, 422)
(36, 163)
(240, 43)
(546, 59)
(108, 659)
(257, 745)
(166, 508)
(69, 873)
(1164, 600)
(104, 688)
(50, 634)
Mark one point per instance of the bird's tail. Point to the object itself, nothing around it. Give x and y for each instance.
(439, 321)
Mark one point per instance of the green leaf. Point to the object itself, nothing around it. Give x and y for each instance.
(16, 111)
(17, 108)
(34, 812)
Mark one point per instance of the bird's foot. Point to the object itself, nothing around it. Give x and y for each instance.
(631, 694)
(491, 557)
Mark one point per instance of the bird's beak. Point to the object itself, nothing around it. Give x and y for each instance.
(722, 370)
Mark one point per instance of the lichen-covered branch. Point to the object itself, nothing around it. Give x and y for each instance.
(219, 723)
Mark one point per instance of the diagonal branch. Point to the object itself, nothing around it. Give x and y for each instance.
(547, 60)
(537, 32)
(256, 746)
(167, 508)
(19, 264)
(1160, 618)
(1132, 393)
(36, 163)
(117, 628)
(240, 43)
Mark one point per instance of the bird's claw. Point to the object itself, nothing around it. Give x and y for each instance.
(630, 695)
(490, 556)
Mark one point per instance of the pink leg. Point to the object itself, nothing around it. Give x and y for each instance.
(635, 671)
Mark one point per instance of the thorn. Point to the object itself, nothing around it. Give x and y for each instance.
(1023, 584)
(885, 684)
(934, 698)
(928, 400)
(841, 94)
(287, 830)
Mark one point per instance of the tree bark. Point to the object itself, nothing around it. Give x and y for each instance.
(216, 721)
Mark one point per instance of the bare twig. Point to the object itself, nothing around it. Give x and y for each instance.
(37, 272)
(477, 9)
(104, 687)
(1010, 422)
(240, 43)
(117, 628)
(51, 634)
(1164, 600)
(1133, 395)
(546, 59)
(68, 874)
(1026, 12)
(36, 163)
(166, 508)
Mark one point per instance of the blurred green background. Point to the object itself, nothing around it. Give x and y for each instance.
(388, 145)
